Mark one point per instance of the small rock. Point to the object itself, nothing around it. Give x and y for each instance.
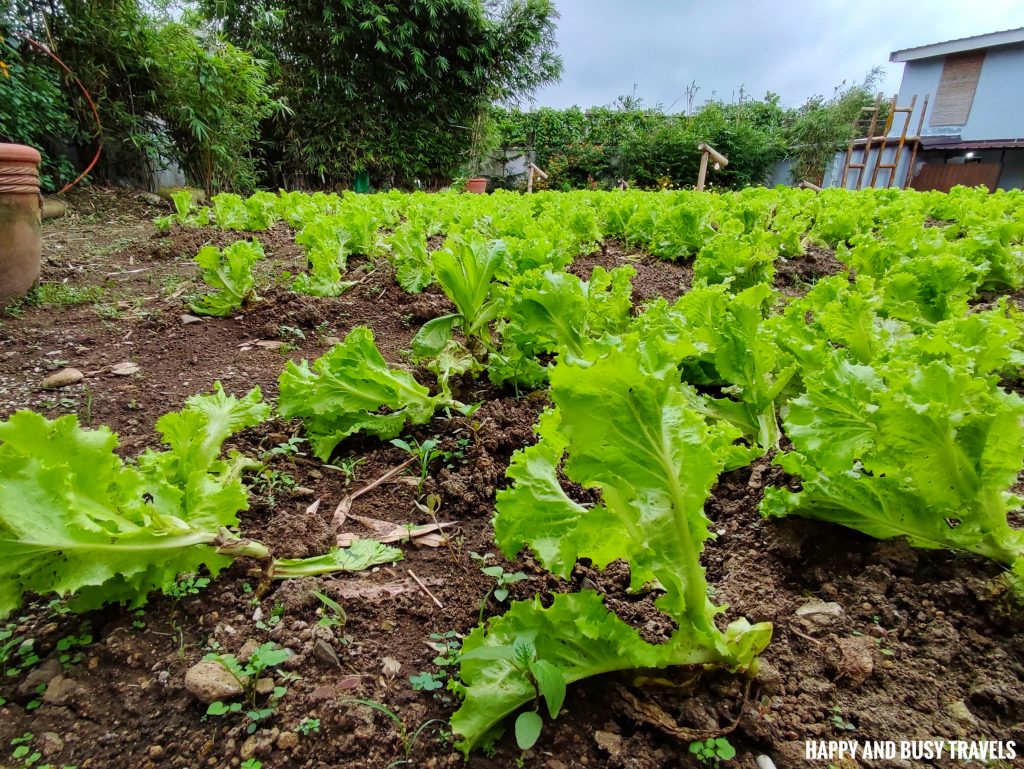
(588, 584)
(186, 319)
(264, 686)
(124, 368)
(210, 681)
(60, 691)
(324, 652)
(153, 200)
(330, 341)
(821, 612)
(247, 649)
(769, 678)
(50, 743)
(155, 751)
(857, 662)
(960, 712)
(39, 676)
(303, 491)
(608, 742)
(248, 748)
(287, 741)
(62, 378)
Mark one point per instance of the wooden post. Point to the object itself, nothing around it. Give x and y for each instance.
(703, 172)
(529, 178)
(707, 151)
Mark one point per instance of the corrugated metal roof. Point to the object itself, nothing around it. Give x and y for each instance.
(960, 45)
(988, 144)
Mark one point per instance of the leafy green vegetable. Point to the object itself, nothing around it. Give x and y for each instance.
(352, 389)
(230, 272)
(413, 268)
(464, 268)
(625, 426)
(75, 518)
(360, 555)
(926, 453)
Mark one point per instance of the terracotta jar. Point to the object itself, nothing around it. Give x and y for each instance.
(478, 185)
(20, 209)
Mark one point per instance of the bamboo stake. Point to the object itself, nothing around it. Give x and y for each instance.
(424, 588)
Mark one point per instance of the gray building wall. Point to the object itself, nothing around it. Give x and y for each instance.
(998, 108)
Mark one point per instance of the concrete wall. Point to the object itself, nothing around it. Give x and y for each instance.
(998, 108)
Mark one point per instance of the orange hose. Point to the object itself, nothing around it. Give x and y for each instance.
(92, 106)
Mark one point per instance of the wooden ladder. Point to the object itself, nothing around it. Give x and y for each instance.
(882, 142)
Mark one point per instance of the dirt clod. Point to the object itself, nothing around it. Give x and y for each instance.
(209, 681)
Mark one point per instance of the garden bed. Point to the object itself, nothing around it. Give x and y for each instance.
(872, 640)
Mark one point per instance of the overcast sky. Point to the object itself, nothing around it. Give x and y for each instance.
(795, 48)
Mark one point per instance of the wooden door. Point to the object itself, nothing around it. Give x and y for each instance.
(945, 176)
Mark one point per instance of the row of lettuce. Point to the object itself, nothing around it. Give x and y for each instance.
(885, 393)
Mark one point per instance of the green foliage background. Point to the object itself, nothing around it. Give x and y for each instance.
(309, 93)
(651, 148)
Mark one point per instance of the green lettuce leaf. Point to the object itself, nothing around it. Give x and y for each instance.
(928, 453)
(75, 518)
(230, 272)
(622, 425)
(352, 389)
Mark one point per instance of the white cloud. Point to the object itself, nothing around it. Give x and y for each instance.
(795, 48)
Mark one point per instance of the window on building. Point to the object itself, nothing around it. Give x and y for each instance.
(957, 85)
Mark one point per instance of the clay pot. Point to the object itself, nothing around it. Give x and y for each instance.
(20, 208)
(477, 185)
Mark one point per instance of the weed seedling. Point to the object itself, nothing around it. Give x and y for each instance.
(23, 752)
(288, 449)
(502, 580)
(347, 467)
(713, 750)
(839, 722)
(308, 726)
(427, 681)
(187, 584)
(424, 453)
(66, 647)
(263, 658)
(331, 613)
(270, 483)
(274, 619)
(17, 653)
(408, 738)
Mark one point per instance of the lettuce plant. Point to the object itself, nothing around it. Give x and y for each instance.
(549, 312)
(76, 518)
(465, 269)
(230, 272)
(352, 389)
(927, 452)
(409, 255)
(183, 205)
(727, 349)
(622, 425)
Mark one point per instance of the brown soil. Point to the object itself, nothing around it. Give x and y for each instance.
(654, 277)
(917, 645)
(794, 277)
